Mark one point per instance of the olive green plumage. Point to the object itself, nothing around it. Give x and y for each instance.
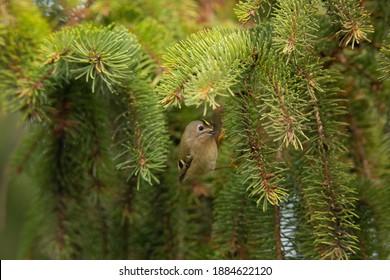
(198, 150)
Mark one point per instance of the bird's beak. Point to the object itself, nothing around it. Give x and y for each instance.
(212, 132)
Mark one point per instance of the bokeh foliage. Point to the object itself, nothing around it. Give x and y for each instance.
(297, 88)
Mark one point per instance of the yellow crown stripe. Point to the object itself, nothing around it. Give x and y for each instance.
(206, 122)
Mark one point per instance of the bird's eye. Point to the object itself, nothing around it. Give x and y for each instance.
(200, 128)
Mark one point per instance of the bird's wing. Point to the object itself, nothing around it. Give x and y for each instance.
(184, 163)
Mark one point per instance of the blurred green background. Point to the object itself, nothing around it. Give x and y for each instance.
(15, 193)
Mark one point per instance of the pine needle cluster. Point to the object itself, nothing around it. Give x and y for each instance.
(301, 87)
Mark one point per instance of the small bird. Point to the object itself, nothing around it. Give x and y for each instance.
(198, 150)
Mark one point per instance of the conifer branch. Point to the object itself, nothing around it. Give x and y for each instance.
(144, 146)
(340, 215)
(98, 178)
(262, 176)
(22, 162)
(283, 108)
(235, 235)
(385, 61)
(32, 93)
(245, 10)
(240, 230)
(61, 187)
(126, 202)
(354, 20)
(332, 219)
(231, 205)
(278, 233)
(105, 57)
(204, 66)
(295, 26)
(104, 228)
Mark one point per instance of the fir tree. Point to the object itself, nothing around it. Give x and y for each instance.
(299, 87)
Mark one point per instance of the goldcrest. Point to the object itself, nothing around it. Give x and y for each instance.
(198, 150)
